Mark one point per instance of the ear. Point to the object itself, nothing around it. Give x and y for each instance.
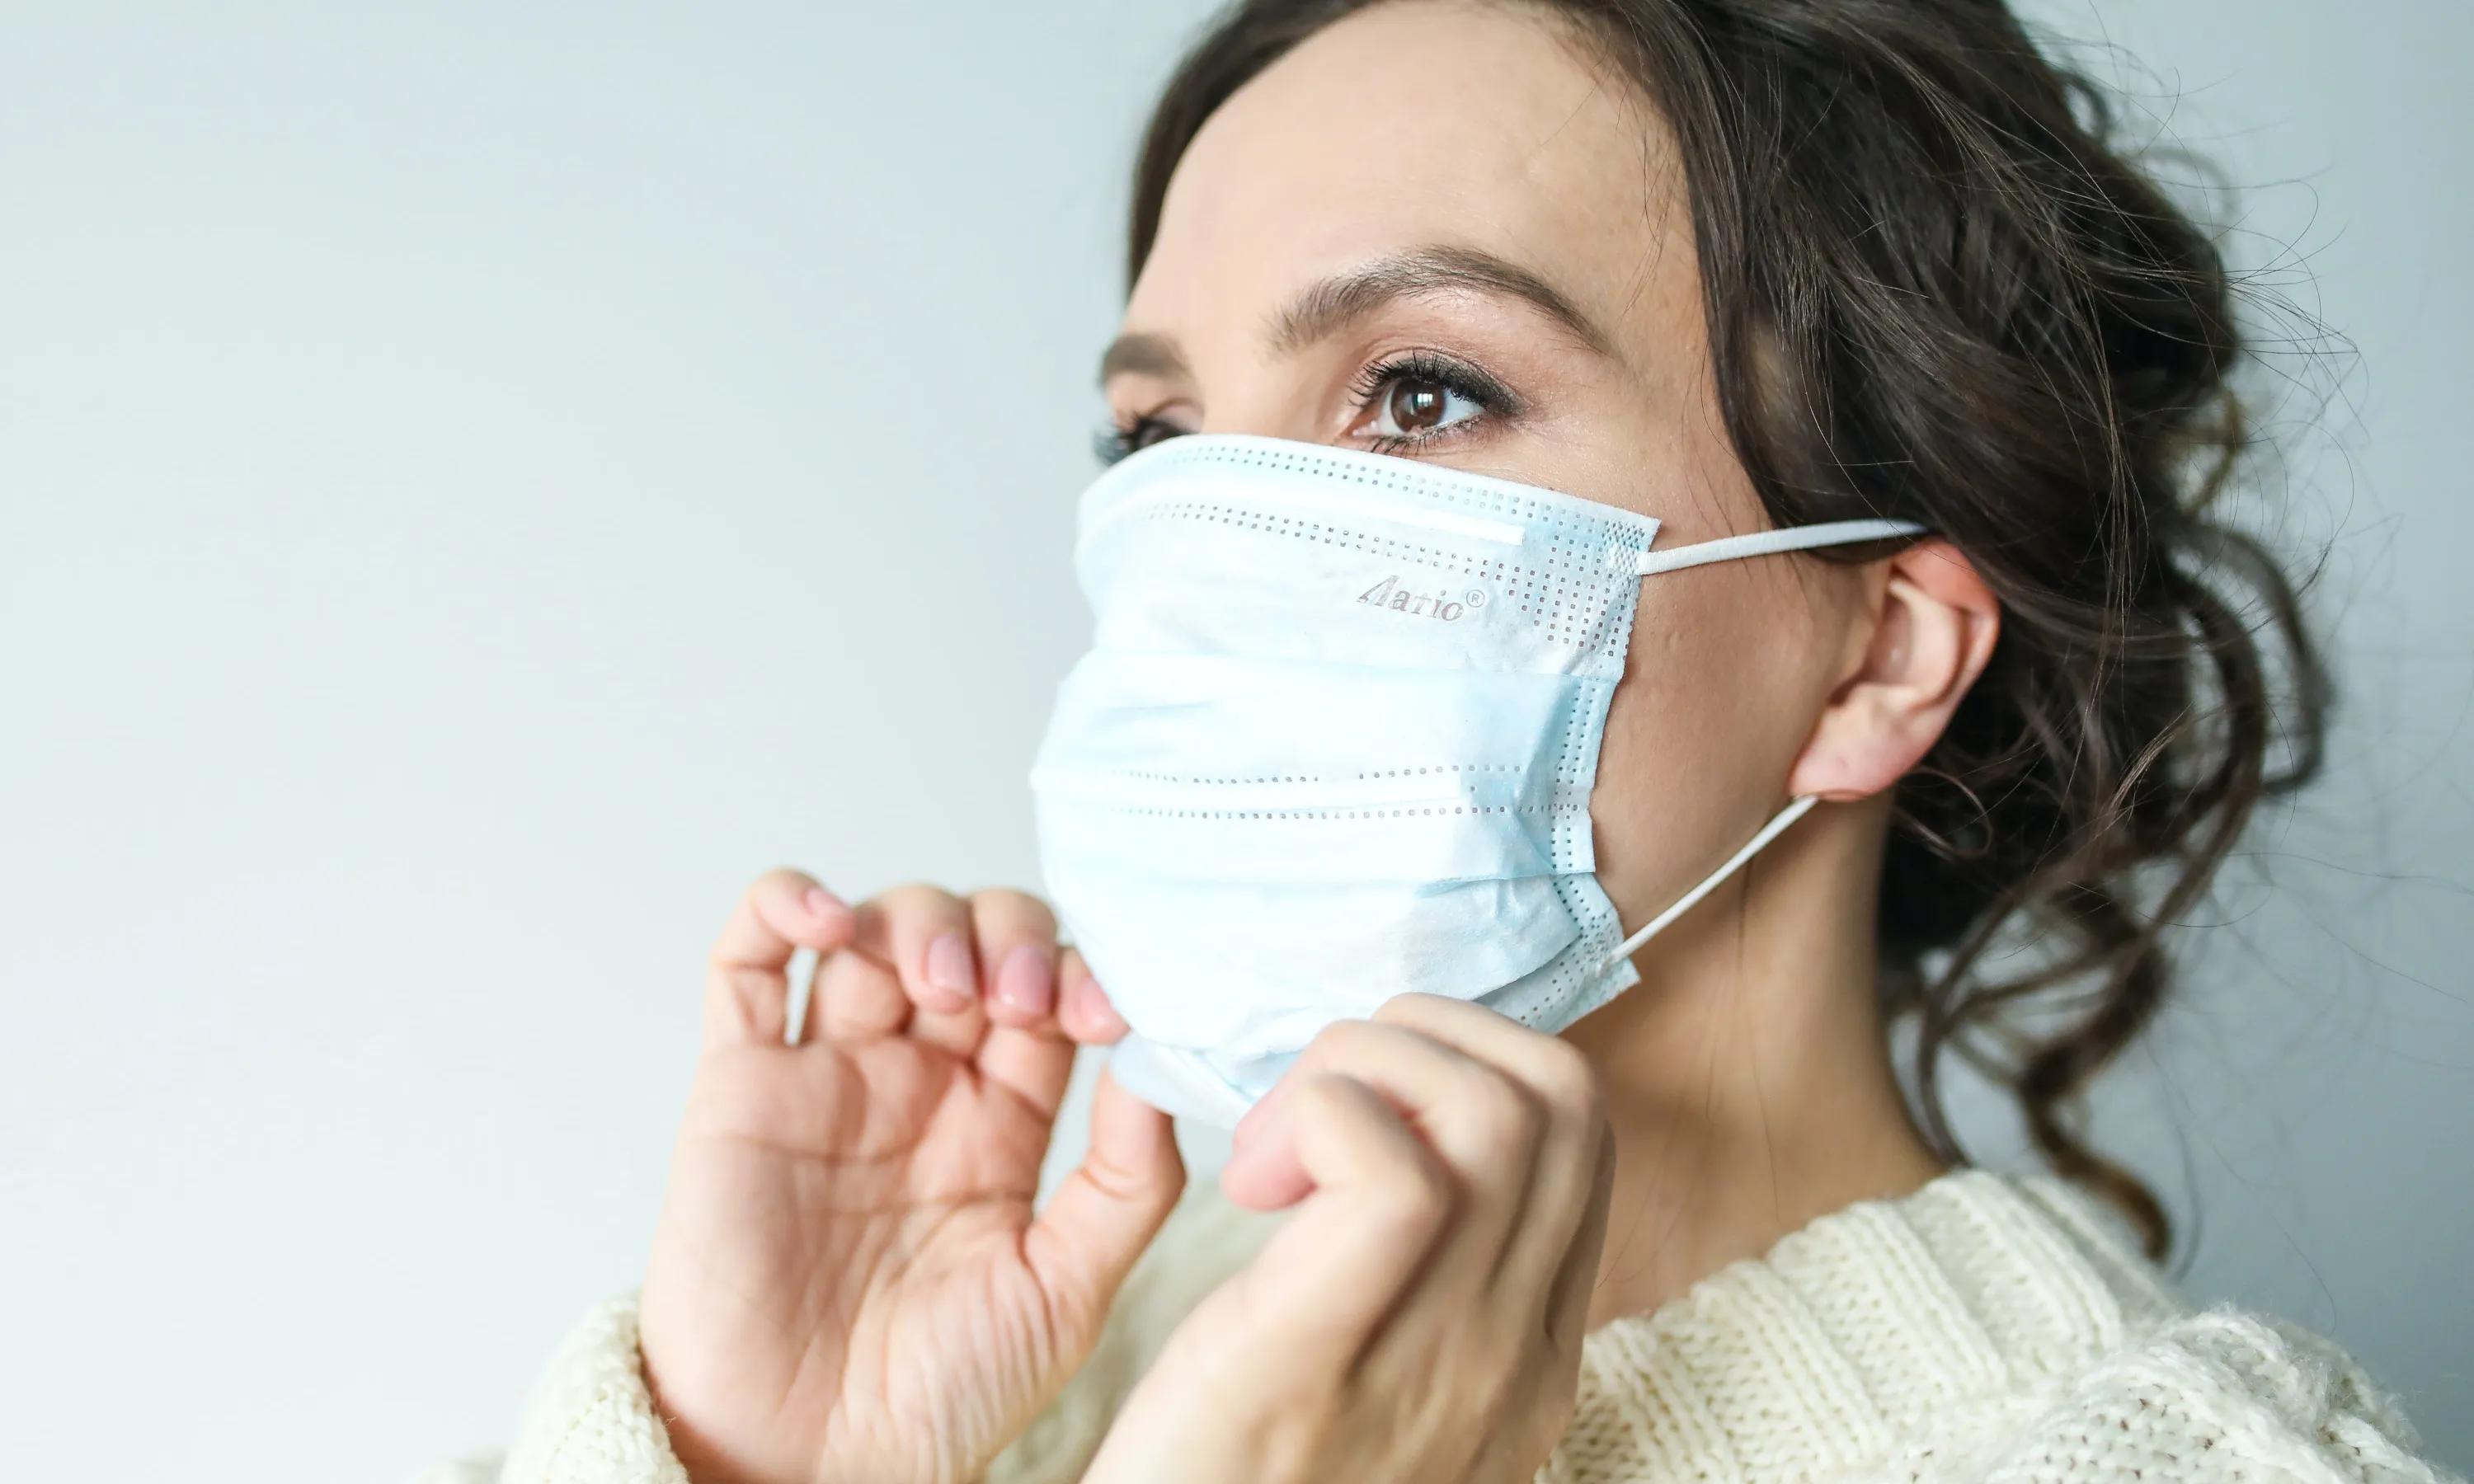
(1933, 624)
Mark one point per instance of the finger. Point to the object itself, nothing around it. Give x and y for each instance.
(747, 983)
(923, 935)
(856, 997)
(1537, 1059)
(1082, 1006)
(1563, 1170)
(1264, 1170)
(1087, 1236)
(1382, 1201)
(1024, 1049)
(1016, 938)
(1480, 1119)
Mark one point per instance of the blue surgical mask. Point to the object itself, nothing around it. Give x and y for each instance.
(1334, 742)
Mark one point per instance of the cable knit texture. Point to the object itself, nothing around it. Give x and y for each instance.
(1982, 1329)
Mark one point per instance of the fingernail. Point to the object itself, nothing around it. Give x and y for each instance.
(1027, 981)
(823, 903)
(949, 964)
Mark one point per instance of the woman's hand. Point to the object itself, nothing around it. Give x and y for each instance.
(1419, 1317)
(847, 1282)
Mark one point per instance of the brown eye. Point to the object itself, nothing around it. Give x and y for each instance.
(1416, 406)
(1411, 406)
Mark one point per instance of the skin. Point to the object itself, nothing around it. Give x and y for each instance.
(849, 1280)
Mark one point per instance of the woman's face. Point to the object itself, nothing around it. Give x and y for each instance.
(1439, 230)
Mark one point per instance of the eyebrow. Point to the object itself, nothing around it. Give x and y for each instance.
(1143, 354)
(1326, 307)
(1330, 305)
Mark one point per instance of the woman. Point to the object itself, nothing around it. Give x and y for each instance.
(1739, 265)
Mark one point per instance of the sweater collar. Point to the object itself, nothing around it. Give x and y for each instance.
(1882, 1331)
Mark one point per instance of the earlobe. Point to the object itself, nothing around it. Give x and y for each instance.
(1933, 625)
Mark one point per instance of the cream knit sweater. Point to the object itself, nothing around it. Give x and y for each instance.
(1983, 1328)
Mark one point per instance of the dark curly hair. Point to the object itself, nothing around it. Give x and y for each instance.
(1940, 288)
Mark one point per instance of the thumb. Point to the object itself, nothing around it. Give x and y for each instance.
(1087, 1237)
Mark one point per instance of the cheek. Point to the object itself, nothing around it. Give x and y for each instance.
(1722, 685)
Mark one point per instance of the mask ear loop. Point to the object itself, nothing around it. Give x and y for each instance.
(1777, 826)
(1762, 544)
(1758, 543)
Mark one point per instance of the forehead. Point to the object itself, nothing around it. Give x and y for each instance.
(1426, 122)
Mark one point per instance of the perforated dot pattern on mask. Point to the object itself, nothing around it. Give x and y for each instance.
(1543, 1000)
(1548, 593)
(1506, 504)
(1345, 812)
(1358, 777)
(1577, 617)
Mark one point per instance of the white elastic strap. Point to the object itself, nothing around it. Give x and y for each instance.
(1762, 543)
(1770, 831)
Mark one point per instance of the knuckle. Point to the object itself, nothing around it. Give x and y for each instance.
(1419, 1009)
(1569, 1081)
(1003, 907)
(781, 878)
(918, 900)
(1322, 1095)
(1419, 1190)
(1402, 1174)
(1342, 1043)
(1501, 1120)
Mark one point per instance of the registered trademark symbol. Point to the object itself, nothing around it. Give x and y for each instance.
(1475, 597)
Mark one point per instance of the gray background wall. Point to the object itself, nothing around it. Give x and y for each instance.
(477, 485)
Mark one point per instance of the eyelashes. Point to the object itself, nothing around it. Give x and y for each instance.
(1369, 392)
(1380, 384)
(1118, 441)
